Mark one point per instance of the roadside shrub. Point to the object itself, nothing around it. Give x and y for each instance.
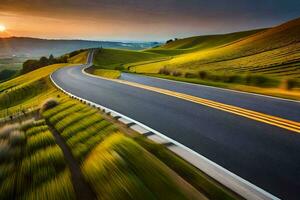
(164, 71)
(190, 75)
(233, 78)
(291, 83)
(48, 104)
(202, 74)
(120, 68)
(16, 138)
(176, 73)
(260, 80)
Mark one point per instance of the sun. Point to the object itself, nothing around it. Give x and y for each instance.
(2, 28)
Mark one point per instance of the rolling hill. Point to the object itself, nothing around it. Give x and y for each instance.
(273, 51)
(192, 44)
(34, 47)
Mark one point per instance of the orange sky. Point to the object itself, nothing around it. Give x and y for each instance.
(139, 20)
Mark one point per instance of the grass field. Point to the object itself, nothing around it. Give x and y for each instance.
(274, 52)
(107, 73)
(102, 149)
(32, 165)
(79, 59)
(31, 89)
(116, 59)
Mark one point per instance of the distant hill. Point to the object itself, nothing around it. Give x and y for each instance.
(208, 41)
(33, 47)
(273, 51)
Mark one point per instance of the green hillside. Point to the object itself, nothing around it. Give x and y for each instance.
(29, 90)
(116, 58)
(197, 43)
(274, 51)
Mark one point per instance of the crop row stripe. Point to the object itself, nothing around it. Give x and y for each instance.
(276, 121)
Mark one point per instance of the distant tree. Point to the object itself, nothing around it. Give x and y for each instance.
(51, 59)
(169, 41)
(7, 74)
(29, 65)
(43, 61)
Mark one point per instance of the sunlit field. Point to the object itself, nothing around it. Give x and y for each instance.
(32, 165)
(31, 89)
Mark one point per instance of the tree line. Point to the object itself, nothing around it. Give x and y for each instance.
(30, 65)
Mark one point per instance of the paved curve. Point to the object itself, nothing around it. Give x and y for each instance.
(288, 109)
(265, 155)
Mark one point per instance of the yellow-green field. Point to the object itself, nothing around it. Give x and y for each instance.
(274, 52)
(116, 59)
(79, 59)
(29, 90)
(107, 73)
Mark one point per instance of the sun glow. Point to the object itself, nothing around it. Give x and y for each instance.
(2, 28)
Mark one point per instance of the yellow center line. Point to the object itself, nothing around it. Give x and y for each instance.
(261, 117)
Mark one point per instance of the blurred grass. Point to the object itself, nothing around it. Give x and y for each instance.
(35, 167)
(117, 167)
(80, 126)
(198, 179)
(59, 187)
(129, 171)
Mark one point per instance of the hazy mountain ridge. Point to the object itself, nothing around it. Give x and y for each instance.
(34, 47)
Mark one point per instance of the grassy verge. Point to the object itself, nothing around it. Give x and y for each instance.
(79, 58)
(276, 92)
(32, 165)
(107, 73)
(192, 175)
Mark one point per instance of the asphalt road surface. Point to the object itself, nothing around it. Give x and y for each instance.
(265, 155)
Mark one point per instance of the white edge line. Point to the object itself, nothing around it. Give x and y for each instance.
(259, 193)
(218, 88)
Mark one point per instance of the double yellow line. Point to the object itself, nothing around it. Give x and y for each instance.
(261, 117)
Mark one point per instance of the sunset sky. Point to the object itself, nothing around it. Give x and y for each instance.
(148, 20)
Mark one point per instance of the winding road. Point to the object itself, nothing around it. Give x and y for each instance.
(264, 154)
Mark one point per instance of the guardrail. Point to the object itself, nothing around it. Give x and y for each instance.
(235, 183)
